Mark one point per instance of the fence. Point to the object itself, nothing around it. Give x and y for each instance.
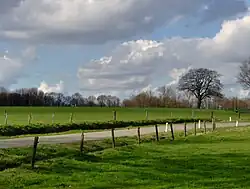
(70, 117)
(196, 128)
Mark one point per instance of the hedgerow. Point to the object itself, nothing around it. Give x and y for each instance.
(14, 130)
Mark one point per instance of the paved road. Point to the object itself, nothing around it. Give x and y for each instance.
(71, 138)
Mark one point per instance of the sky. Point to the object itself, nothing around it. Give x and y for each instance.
(120, 47)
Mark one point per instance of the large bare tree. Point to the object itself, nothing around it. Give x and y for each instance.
(244, 74)
(202, 83)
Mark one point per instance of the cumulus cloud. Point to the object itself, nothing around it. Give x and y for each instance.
(12, 68)
(95, 21)
(137, 64)
(47, 88)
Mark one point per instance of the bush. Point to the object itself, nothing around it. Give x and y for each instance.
(13, 130)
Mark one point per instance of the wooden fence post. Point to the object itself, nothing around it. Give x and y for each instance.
(212, 115)
(5, 117)
(34, 152)
(82, 142)
(29, 118)
(71, 118)
(172, 130)
(53, 118)
(214, 124)
(114, 115)
(113, 137)
(185, 129)
(195, 128)
(156, 132)
(205, 127)
(139, 135)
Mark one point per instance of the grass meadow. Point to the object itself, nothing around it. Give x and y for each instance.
(19, 115)
(215, 160)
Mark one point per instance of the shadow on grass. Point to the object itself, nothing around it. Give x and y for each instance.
(144, 167)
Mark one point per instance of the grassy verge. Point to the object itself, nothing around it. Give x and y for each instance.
(15, 130)
(215, 160)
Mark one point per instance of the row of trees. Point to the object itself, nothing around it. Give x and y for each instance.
(198, 86)
(34, 97)
(163, 97)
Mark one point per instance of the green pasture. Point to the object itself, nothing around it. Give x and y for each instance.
(19, 115)
(215, 160)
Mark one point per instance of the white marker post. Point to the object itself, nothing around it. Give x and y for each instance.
(199, 124)
(166, 129)
(230, 119)
(237, 123)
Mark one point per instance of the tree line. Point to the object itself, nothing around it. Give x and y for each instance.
(199, 88)
(34, 97)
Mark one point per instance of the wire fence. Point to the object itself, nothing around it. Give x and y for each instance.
(196, 128)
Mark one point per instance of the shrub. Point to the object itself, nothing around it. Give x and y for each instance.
(39, 128)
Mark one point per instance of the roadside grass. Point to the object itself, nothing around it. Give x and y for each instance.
(19, 115)
(218, 159)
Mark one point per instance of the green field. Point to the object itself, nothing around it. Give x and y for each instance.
(216, 160)
(19, 115)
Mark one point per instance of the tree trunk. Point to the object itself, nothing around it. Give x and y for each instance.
(199, 103)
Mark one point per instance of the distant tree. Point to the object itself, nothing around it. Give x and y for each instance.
(91, 100)
(77, 100)
(202, 83)
(102, 100)
(244, 74)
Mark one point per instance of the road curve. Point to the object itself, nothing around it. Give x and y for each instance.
(72, 138)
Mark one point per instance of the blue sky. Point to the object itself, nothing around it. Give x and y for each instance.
(63, 47)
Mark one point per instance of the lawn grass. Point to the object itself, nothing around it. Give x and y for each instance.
(19, 115)
(215, 160)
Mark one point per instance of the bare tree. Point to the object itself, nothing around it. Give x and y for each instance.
(244, 74)
(167, 95)
(102, 99)
(163, 91)
(91, 100)
(202, 83)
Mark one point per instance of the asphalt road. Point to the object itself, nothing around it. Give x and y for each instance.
(72, 138)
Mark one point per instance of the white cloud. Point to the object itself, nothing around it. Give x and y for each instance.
(98, 21)
(239, 92)
(244, 93)
(137, 64)
(30, 53)
(12, 68)
(46, 88)
(175, 74)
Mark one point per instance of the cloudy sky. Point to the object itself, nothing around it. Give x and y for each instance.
(120, 46)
